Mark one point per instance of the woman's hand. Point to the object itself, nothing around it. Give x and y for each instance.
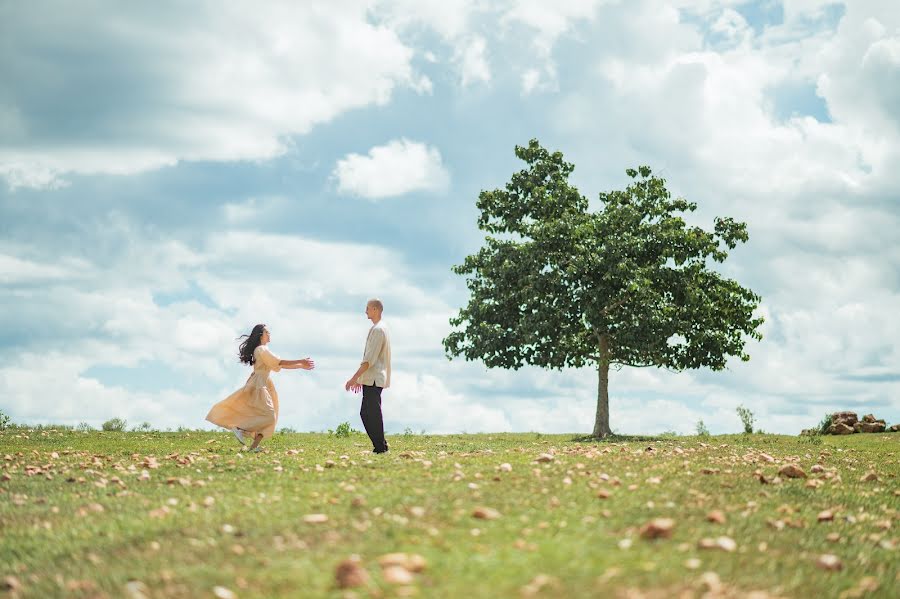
(307, 364)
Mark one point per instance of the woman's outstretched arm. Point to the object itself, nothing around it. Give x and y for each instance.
(304, 364)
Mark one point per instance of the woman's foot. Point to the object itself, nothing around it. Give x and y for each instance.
(256, 441)
(238, 434)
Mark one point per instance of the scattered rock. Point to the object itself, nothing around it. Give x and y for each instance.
(792, 471)
(830, 562)
(726, 544)
(350, 573)
(846, 423)
(545, 457)
(849, 417)
(485, 513)
(315, 518)
(710, 582)
(397, 575)
(657, 528)
(722, 543)
(825, 516)
(11, 584)
(716, 516)
(408, 561)
(223, 593)
(841, 428)
(895, 428)
(868, 477)
(869, 427)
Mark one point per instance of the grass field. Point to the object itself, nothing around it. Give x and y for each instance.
(100, 514)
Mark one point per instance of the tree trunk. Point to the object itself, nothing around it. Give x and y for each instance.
(601, 420)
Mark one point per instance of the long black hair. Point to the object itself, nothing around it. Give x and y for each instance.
(250, 343)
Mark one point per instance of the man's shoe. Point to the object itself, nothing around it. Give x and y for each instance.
(238, 435)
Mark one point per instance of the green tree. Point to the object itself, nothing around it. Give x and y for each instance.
(557, 285)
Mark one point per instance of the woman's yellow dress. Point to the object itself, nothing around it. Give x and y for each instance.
(254, 407)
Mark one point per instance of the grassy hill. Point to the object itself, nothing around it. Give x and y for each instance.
(104, 514)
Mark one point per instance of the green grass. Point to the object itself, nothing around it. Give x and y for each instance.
(71, 530)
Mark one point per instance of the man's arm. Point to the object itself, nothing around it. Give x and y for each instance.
(351, 384)
(374, 345)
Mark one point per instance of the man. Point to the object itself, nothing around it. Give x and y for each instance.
(373, 375)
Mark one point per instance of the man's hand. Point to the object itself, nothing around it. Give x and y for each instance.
(352, 385)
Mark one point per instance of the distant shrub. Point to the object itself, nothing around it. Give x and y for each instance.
(702, 431)
(144, 427)
(746, 418)
(825, 425)
(84, 427)
(343, 430)
(115, 424)
(4, 421)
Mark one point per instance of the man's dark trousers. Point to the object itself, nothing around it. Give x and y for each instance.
(370, 412)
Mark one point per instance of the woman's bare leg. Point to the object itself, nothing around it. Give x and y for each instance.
(256, 440)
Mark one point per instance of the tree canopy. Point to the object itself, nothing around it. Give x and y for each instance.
(557, 285)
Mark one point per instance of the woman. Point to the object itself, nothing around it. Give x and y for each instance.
(254, 408)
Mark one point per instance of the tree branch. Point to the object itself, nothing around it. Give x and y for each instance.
(614, 305)
(651, 365)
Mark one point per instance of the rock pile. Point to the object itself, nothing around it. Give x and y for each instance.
(847, 423)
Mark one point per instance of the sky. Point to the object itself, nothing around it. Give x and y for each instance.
(172, 174)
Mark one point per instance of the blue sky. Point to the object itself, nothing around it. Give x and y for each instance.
(169, 178)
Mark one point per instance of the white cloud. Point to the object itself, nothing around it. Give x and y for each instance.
(466, 25)
(822, 250)
(473, 62)
(818, 196)
(530, 80)
(210, 83)
(733, 27)
(550, 20)
(246, 214)
(14, 269)
(401, 166)
(107, 317)
(448, 18)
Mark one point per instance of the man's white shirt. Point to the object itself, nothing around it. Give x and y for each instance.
(378, 355)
